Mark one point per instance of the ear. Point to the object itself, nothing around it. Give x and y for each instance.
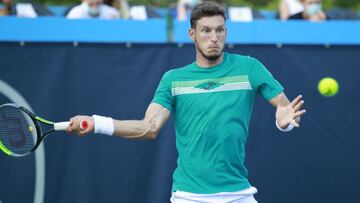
(192, 34)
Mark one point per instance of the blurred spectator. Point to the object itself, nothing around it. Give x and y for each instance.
(121, 5)
(93, 9)
(312, 11)
(30, 10)
(288, 8)
(184, 7)
(8, 9)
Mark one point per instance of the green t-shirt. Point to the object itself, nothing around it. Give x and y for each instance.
(212, 109)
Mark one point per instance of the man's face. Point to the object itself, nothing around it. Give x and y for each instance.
(209, 36)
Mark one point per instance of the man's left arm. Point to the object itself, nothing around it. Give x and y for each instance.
(287, 113)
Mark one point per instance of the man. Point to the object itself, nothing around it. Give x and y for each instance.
(312, 11)
(93, 9)
(211, 100)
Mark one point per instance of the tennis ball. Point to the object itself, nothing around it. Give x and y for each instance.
(328, 87)
(30, 129)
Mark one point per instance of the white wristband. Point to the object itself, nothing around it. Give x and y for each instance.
(103, 125)
(289, 128)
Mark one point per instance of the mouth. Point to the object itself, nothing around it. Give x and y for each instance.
(214, 48)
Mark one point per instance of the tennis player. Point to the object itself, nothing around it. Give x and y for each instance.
(211, 100)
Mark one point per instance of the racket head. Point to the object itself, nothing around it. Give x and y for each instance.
(19, 132)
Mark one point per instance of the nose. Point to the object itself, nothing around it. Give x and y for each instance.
(213, 36)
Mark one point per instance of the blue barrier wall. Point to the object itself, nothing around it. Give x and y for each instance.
(317, 163)
(280, 32)
(53, 29)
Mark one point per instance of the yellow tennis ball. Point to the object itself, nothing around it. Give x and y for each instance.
(328, 87)
(30, 129)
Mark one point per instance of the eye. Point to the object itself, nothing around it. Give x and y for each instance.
(221, 29)
(206, 30)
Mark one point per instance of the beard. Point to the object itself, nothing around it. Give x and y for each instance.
(210, 57)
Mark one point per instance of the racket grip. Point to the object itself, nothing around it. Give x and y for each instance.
(61, 126)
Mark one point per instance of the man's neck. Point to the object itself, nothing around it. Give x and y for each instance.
(206, 63)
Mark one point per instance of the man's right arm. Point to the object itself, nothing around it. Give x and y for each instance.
(147, 128)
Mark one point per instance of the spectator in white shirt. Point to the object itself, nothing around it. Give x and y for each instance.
(288, 8)
(93, 9)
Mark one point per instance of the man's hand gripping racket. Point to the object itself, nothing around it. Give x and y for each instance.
(80, 125)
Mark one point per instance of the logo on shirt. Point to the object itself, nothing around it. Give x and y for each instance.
(208, 85)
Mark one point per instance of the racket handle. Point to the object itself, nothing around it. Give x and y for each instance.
(63, 125)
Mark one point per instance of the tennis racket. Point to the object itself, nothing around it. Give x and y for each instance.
(20, 130)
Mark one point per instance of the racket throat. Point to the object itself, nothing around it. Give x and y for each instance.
(40, 139)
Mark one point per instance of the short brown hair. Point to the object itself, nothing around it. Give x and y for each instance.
(205, 9)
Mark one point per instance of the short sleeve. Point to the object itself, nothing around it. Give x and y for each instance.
(163, 94)
(263, 82)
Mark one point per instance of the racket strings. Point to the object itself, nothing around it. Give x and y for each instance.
(17, 130)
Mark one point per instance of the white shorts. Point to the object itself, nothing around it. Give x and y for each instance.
(242, 196)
